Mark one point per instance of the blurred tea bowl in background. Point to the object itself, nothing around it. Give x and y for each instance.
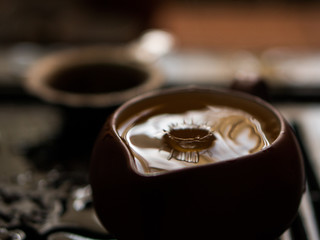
(86, 83)
(96, 76)
(194, 163)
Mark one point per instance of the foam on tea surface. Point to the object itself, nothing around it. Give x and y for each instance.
(163, 141)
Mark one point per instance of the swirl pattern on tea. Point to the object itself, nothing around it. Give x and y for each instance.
(168, 141)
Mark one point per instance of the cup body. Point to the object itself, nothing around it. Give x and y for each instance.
(255, 196)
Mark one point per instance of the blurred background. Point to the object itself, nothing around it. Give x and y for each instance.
(208, 42)
(251, 24)
(215, 39)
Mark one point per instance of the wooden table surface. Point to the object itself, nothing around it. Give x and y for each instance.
(245, 26)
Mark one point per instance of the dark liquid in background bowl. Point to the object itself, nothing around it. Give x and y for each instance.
(73, 144)
(97, 78)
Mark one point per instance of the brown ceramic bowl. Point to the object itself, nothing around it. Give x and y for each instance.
(255, 196)
(86, 83)
(92, 76)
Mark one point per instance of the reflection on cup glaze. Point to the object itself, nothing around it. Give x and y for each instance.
(165, 142)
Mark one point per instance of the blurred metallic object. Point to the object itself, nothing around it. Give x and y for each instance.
(16, 234)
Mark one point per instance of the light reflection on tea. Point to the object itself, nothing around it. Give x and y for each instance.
(168, 141)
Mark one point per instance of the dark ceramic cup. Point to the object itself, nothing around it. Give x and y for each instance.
(86, 84)
(91, 76)
(255, 196)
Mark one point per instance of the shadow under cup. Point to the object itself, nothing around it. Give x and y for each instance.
(86, 84)
(255, 196)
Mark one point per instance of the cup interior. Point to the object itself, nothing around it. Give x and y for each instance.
(181, 100)
(97, 78)
(182, 144)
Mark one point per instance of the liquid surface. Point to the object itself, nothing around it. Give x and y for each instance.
(164, 142)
